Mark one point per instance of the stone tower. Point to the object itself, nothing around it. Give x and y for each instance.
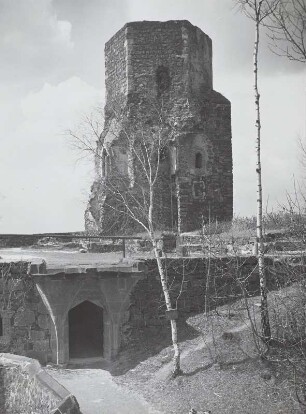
(169, 63)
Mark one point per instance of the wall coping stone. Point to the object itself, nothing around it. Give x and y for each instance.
(33, 368)
(126, 266)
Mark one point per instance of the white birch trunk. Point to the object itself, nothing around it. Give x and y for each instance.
(177, 356)
(178, 197)
(265, 323)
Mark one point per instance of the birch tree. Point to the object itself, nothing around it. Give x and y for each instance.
(259, 11)
(132, 187)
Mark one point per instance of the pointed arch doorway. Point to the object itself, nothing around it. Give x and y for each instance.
(85, 330)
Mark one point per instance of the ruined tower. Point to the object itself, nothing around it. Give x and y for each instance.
(168, 64)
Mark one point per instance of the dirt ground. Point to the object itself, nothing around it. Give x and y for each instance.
(222, 369)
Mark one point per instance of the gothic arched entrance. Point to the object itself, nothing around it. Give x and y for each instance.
(85, 330)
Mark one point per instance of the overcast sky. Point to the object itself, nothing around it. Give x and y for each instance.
(52, 71)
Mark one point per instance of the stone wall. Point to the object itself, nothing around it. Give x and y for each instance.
(115, 69)
(26, 388)
(131, 298)
(207, 192)
(24, 240)
(187, 278)
(183, 52)
(26, 325)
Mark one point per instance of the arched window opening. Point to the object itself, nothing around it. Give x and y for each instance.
(105, 163)
(198, 160)
(162, 79)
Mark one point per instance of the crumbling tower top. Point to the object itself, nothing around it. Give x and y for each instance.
(151, 57)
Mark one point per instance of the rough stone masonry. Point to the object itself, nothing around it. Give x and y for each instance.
(166, 65)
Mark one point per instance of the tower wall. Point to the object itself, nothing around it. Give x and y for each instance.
(134, 54)
(116, 68)
(168, 66)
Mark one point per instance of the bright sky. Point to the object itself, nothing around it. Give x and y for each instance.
(52, 72)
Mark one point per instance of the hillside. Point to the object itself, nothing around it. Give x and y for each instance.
(223, 371)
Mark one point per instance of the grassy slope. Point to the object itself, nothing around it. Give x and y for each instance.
(222, 370)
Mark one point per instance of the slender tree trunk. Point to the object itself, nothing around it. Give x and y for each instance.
(177, 355)
(207, 284)
(265, 323)
(178, 191)
(178, 197)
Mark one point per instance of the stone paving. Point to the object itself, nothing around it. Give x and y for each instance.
(98, 394)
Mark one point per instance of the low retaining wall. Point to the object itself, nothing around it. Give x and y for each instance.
(196, 285)
(136, 299)
(25, 388)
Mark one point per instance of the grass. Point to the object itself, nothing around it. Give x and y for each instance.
(223, 371)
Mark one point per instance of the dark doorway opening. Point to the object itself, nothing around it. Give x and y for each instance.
(85, 330)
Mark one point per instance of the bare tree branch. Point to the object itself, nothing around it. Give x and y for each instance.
(287, 30)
